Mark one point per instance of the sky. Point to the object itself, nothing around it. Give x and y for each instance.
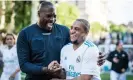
(116, 11)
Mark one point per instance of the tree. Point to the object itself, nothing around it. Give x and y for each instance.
(15, 15)
(117, 28)
(2, 21)
(96, 27)
(34, 10)
(66, 13)
(23, 14)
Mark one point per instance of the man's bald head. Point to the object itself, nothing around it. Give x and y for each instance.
(45, 4)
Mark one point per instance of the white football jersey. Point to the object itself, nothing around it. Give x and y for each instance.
(10, 60)
(83, 60)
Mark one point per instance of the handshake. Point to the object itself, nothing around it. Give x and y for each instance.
(54, 66)
(56, 71)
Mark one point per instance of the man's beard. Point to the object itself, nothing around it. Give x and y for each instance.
(46, 27)
(75, 42)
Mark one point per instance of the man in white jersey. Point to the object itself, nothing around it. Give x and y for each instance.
(79, 58)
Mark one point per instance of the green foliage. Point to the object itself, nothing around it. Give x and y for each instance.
(106, 76)
(23, 14)
(22, 11)
(0, 11)
(8, 12)
(117, 28)
(66, 13)
(122, 28)
(96, 27)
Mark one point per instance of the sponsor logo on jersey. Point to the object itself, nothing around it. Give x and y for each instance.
(71, 72)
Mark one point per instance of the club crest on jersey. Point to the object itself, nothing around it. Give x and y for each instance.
(78, 59)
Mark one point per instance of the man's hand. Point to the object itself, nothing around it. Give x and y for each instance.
(12, 77)
(54, 66)
(101, 59)
(123, 70)
(56, 70)
(115, 60)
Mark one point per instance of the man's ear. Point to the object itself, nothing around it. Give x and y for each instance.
(84, 36)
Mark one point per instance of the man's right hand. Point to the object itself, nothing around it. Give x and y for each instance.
(55, 70)
(115, 60)
(54, 66)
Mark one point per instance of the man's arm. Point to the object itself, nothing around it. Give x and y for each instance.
(23, 51)
(126, 61)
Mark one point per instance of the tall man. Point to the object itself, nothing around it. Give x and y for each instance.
(119, 60)
(41, 43)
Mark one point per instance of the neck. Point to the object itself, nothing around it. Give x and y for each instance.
(9, 47)
(119, 50)
(38, 23)
(75, 46)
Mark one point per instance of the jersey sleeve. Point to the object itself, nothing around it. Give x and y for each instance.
(89, 62)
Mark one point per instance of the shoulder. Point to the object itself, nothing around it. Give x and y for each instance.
(92, 49)
(90, 45)
(14, 47)
(124, 52)
(29, 28)
(3, 48)
(113, 52)
(28, 31)
(67, 47)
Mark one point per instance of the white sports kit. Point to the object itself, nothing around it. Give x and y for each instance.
(83, 60)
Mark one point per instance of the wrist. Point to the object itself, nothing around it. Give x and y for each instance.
(62, 74)
(45, 69)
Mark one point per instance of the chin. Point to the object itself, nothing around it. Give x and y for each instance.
(75, 42)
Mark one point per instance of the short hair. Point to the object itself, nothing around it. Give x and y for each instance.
(44, 4)
(85, 23)
(119, 42)
(8, 34)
